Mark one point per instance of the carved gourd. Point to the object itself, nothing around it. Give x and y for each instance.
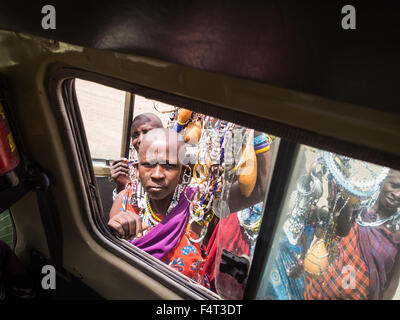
(316, 260)
(184, 115)
(193, 131)
(247, 170)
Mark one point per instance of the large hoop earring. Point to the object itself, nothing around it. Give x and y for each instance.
(187, 176)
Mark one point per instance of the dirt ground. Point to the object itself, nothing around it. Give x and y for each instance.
(102, 110)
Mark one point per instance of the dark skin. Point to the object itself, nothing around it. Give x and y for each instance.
(124, 225)
(385, 206)
(142, 124)
(389, 199)
(160, 174)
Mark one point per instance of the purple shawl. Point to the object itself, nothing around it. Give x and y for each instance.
(379, 251)
(162, 238)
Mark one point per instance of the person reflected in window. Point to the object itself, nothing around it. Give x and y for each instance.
(367, 266)
(120, 169)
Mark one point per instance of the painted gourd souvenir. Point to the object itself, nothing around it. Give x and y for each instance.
(193, 131)
(184, 115)
(316, 260)
(247, 171)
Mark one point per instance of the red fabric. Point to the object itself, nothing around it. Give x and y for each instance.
(379, 251)
(189, 259)
(212, 252)
(330, 285)
(227, 235)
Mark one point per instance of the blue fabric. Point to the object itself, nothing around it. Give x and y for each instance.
(280, 286)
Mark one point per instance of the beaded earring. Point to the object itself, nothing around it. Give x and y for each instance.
(187, 176)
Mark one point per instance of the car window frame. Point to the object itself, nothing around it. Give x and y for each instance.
(168, 277)
(292, 138)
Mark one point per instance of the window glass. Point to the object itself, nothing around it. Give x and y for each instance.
(339, 231)
(192, 190)
(227, 172)
(102, 110)
(195, 203)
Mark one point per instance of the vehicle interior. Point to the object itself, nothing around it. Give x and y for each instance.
(69, 96)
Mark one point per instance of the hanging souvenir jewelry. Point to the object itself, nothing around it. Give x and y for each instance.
(250, 222)
(219, 154)
(353, 178)
(135, 186)
(232, 151)
(189, 125)
(209, 180)
(309, 190)
(343, 176)
(323, 250)
(348, 173)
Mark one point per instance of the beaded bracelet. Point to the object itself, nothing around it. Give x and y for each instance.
(263, 138)
(261, 146)
(260, 139)
(262, 143)
(265, 149)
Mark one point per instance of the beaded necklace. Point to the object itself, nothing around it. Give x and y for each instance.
(377, 223)
(203, 223)
(149, 213)
(362, 189)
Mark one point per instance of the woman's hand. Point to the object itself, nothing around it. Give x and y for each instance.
(127, 225)
(119, 171)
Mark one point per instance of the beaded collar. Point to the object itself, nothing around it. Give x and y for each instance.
(393, 218)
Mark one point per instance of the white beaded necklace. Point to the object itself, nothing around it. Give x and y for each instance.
(378, 222)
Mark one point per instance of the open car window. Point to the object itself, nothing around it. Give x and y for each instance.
(223, 187)
(327, 233)
(102, 110)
